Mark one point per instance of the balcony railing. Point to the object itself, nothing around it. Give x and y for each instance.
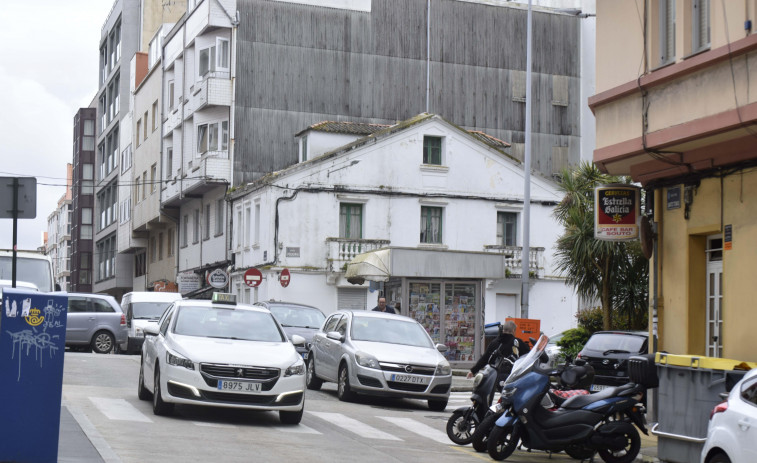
(343, 250)
(513, 259)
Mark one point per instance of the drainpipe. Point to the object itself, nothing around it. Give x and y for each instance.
(232, 132)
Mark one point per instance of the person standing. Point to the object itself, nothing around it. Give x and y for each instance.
(382, 307)
(506, 342)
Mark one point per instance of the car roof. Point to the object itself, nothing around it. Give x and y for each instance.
(289, 304)
(633, 333)
(92, 295)
(376, 314)
(152, 296)
(215, 305)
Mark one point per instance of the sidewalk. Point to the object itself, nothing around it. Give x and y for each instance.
(73, 443)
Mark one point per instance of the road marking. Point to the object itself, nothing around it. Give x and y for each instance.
(418, 428)
(119, 409)
(299, 429)
(354, 426)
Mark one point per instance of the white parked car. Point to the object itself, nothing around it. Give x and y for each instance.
(221, 354)
(732, 432)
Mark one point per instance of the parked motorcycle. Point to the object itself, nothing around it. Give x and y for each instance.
(574, 379)
(584, 424)
(463, 421)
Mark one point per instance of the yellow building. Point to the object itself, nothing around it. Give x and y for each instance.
(676, 108)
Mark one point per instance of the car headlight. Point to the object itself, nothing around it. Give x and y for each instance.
(179, 361)
(296, 369)
(367, 360)
(443, 369)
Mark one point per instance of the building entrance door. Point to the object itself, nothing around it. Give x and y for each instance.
(714, 295)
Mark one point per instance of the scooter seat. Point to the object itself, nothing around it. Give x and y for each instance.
(580, 401)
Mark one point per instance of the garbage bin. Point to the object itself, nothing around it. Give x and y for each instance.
(689, 389)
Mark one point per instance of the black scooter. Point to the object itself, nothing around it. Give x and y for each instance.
(463, 422)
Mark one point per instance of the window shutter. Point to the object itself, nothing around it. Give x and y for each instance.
(352, 299)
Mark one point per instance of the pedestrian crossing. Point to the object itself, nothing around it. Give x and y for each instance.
(379, 426)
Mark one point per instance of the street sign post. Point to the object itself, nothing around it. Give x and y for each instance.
(285, 277)
(253, 277)
(18, 200)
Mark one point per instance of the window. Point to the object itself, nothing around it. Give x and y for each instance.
(208, 137)
(153, 176)
(207, 58)
(169, 163)
(506, 228)
(431, 224)
(667, 18)
(144, 133)
(170, 94)
(85, 268)
(106, 258)
(136, 189)
(206, 231)
(351, 221)
(240, 228)
(107, 205)
(140, 264)
(126, 159)
(144, 184)
(432, 150)
(196, 234)
(155, 115)
(304, 145)
(169, 243)
(219, 216)
(700, 25)
(247, 224)
(185, 231)
(223, 53)
(257, 224)
(214, 58)
(103, 109)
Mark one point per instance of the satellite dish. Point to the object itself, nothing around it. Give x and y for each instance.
(647, 237)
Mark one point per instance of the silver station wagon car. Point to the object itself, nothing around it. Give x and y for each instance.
(379, 354)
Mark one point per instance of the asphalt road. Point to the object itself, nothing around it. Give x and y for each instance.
(100, 391)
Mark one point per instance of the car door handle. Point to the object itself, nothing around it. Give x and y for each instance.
(744, 423)
(91, 318)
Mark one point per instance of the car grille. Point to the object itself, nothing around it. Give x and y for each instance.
(211, 373)
(368, 381)
(244, 399)
(406, 386)
(414, 369)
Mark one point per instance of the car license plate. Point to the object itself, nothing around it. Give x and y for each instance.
(238, 386)
(599, 387)
(409, 379)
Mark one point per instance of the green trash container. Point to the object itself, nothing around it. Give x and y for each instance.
(690, 387)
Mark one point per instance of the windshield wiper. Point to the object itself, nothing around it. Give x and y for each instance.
(615, 351)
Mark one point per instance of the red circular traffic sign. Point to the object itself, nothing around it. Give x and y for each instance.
(253, 277)
(285, 277)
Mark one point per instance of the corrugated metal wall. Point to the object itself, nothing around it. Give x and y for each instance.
(299, 64)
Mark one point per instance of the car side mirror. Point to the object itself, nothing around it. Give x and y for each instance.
(442, 348)
(298, 340)
(335, 335)
(151, 330)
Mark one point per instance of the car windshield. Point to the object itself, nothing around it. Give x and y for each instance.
(603, 342)
(300, 317)
(241, 324)
(390, 330)
(35, 271)
(149, 310)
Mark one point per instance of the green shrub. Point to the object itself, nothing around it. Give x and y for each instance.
(590, 319)
(572, 342)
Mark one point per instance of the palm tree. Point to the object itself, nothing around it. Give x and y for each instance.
(606, 270)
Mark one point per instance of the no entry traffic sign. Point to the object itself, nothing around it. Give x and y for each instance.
(253, 277)
(285, 277)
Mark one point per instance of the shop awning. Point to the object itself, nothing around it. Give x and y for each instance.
(381, 264)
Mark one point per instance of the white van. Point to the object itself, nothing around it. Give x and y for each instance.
(34, 270)
(142, 308)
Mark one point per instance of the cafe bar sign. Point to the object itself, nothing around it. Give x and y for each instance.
(617, 212)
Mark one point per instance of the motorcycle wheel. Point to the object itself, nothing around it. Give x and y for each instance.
(502, 442)
(579, 452)
(481, 434)
(628, 453)
(461, 425)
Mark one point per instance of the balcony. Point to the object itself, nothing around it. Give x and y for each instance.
(513, 262)
(207, 172)
(173, 118)
(208, 15)
(213, 90)
(343, 250)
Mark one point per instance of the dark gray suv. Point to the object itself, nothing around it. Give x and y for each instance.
(94, 321)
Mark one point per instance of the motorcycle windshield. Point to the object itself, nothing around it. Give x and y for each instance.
(526, 363)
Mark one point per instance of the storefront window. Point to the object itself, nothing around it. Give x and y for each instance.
(425, 306)
(460, 321)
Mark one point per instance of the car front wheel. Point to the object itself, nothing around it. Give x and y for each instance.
(159, 407)
(343, 390)
(291, 417)
(312, 381)
(142, 391)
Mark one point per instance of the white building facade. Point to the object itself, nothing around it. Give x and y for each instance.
(446, 231)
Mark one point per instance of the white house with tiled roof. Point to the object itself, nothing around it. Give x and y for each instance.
(439, 207)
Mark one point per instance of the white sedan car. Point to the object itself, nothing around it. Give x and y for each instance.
(221, 354)
(732, 432)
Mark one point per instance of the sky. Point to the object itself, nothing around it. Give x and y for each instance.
(48, 71)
